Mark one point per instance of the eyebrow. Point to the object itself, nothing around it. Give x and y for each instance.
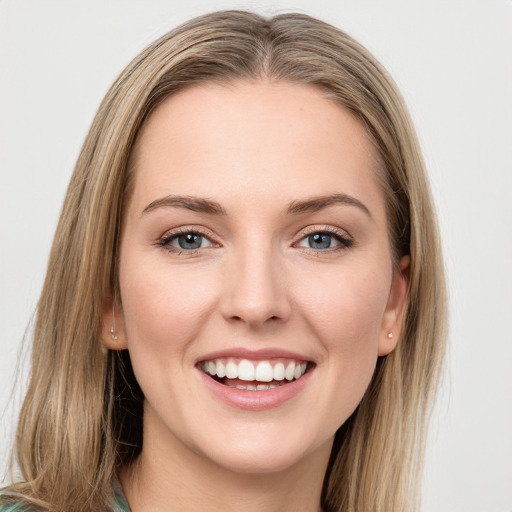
(204, 205)
(316, 204)
(196, 204)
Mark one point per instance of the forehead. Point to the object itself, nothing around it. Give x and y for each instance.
(260, 139)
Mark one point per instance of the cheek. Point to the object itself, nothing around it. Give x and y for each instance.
(163, 306)
(345, 311)
(347, 308)
(163, 310)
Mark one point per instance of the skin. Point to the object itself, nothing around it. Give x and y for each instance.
(254, 148)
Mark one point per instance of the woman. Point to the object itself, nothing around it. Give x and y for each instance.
(244, 306)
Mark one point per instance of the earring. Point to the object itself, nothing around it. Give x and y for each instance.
(390, 335)
(112, 329)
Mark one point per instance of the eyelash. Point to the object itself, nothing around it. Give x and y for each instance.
(168, 238)
(340, 236)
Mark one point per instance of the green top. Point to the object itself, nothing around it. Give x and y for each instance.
(120, 503)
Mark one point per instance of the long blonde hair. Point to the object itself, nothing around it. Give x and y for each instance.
(82, 416)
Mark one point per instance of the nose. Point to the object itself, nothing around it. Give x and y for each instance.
(255, 291)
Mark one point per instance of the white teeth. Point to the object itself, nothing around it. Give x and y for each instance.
(246, 370)
(259, 371)
(264, 372)
(252, 387)
(290, 371)
(279, 371)
(231, 370)
(212, 368)
(221, 369)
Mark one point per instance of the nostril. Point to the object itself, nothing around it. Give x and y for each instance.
(239, 318)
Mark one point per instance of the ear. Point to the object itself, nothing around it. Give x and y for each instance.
(392, 319)
(112, 326)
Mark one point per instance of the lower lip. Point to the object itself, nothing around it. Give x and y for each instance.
(255, 400)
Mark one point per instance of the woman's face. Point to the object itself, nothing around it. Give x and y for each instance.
(255, 246)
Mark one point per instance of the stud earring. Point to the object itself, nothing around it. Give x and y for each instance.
(112, 329)
(390, 335)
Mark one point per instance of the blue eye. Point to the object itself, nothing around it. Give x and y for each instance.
(189, 241)
(322, 240)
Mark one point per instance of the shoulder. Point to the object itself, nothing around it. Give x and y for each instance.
(9, 505)
(13, 506)
(120, 503)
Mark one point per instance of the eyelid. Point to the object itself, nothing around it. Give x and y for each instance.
(343, 237)
(325, 228)
(189, 228)
(164, 240)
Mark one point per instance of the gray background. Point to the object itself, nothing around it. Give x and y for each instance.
(452, 60)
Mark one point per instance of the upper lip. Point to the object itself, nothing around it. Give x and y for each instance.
(254, 355)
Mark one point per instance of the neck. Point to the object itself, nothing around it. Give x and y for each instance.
(174, 474)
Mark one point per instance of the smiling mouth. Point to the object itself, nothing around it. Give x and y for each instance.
(254, 375)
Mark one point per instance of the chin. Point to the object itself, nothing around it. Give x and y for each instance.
(264, 450)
